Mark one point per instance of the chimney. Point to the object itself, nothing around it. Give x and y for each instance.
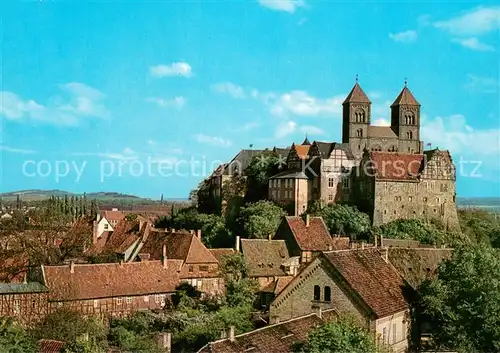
(386, 255)
(198, 234)
(165, 341)
(237, 243)
(307, 220)
(98, 217)
(362, 245)
(72, 267)
(270, 236)
(329, 247)
(164, 257)
(231, 333)
(375, 239)
(172, 230)
(95, 235)
(121, 263)
(191, 231)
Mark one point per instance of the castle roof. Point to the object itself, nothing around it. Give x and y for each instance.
(357, 95)
(405, 98)
(395, 166)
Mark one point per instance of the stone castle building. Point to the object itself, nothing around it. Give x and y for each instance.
(383, 170)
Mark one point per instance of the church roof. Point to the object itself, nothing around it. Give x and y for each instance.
(405, 98)
(357, 95)
(306, 142)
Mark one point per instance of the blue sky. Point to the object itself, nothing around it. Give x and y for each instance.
(92, 91)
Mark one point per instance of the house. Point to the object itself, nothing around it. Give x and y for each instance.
(199, 267)
(281, 337)
(359, 283)
(308, 238)
(112, 288)
(26, 302)
(113, 216)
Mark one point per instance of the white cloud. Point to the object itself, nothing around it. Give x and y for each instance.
(482, 84)
(285, 129)
(404, 37)
(233, 90)
(480, 20)
(174, 69)
(473, 43)
(176, 102)
(455, 134)
(81, 101)
(381, 122)
(16, 150)
(300, 103)
(311, 130)
(282, 5)
(212, 140)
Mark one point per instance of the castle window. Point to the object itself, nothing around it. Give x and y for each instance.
(331, 182)
(359, 116)
(410, 198)
(385, 211)
(359, 133)
(330, 197)
(345, 183)
(410, 119)
(425, 199)
(395, 212)
(409, 135)
(317, 293)
(327, 294)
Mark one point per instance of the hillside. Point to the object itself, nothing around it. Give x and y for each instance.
(38, 195)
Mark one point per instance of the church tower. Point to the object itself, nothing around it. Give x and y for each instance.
(405, 121)
(356, 114)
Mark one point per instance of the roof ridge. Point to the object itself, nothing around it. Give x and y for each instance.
(111, 263)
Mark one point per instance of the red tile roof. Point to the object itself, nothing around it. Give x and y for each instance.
(405, 97)
(278, 285)
(302, 150)
(357, 95)
(376, 282)
(92, 281)
(316, 237)
(113, 215)
(50, 346)
(277, 338)
(124, 235)
(221, 252)
(340, 243)
(395, 166)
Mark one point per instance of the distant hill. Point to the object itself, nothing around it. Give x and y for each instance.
(38, 195)
(487, 203)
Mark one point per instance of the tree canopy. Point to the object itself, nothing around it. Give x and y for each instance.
(260, 169)
(261, 219)
(462, 304)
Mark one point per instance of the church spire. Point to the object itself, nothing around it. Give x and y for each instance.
(306, 141)
(357, 95)
(405, 97)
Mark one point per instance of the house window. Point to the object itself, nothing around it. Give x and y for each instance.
(394, 333)
(409, 135)
(190, 268)
(330, 197)
(106, 226)
(327, 294)
(118, 301)
(331, 182)
(384, 335)
(204, 268)
(17, 306)
(157, 299)
(96, 303)
(146, 299)
(317, 293)
(129, 300)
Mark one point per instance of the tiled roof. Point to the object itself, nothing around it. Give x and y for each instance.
(92, 281)
(290, 174)
(278, 285)
(99, 246)
(302, 150)
(277, 338)
(31, 287)
(113, 215)
(50, 346)
(340, 243)
(124, 235)
(381, 131)
(325, 148)
(316, 237)
(282, 151)
(264, 257)
(405, 97)
(357, 95)
(416, 265)
(376, 282)
(396, 166)
(180, 246)
(220, 253)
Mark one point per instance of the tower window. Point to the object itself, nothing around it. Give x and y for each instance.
(359, 133)
(410, 119)
(317, 292)
(328, 294)
(409, 135)
(359, 116)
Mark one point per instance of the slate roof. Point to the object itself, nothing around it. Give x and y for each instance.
(357, 95)
(277, 338)
(180, 246)
(326, 148)
(377, 283)
(291, 174)
(381, 132)
(30, 287)
(316, 237)
(241, 161)
(264, 257)
(93, 281)
(50, 346)
(282, 151)
(395, 166)
(405, 97)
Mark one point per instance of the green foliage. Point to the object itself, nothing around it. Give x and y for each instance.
(69, 326)
(462, 305)
(343, 219)
(14, 338)
(480, 225)
(241, 293)
(340, 336)
(233, 267)
(261, 219)
(130, 340)
(131, 217)
(260, 169)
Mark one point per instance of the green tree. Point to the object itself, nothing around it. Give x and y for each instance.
(462, 304)
(258, 172)
(14, 338)
(261, 219)
(233, 267)
(480, 225)
(343, 335)
(343, 220)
